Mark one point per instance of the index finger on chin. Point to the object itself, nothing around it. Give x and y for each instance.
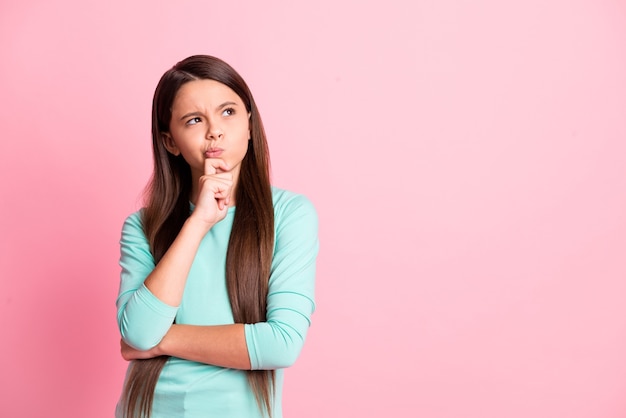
(214, 165)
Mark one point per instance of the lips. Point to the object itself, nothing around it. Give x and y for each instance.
(213, 152)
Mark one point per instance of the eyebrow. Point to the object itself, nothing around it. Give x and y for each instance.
(223, 105)
(220, 107)
(188, 115)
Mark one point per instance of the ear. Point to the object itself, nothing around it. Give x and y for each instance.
(169, 144)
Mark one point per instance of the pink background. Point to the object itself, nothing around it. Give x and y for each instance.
(467, 160)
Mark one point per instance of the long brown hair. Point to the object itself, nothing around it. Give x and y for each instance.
(251, 243)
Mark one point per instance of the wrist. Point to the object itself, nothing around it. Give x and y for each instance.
(197, 224)
(163, 348)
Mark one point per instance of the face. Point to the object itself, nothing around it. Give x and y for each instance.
(209, 120)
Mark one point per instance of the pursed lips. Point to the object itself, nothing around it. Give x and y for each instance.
(213, 152)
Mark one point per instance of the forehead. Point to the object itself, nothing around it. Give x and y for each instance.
(204, 94)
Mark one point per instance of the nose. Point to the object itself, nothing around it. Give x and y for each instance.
(214, 133)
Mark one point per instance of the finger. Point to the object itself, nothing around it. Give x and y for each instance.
(223, 200)
(217, 187)
(226, 176)
(215, 165)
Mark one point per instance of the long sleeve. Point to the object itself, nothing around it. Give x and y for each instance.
(277, 342)
(142, 318)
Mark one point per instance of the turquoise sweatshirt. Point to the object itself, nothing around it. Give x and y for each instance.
(190, 389)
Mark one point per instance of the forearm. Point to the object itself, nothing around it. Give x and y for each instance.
(167, 280)
(219, 345)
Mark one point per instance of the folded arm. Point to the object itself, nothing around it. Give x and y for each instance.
(275, 343)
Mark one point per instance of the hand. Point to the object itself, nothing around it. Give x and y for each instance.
(214, 191)
(129, 353)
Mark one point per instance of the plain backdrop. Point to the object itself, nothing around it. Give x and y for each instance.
(467, 160)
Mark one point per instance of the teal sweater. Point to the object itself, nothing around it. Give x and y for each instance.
(189, 389)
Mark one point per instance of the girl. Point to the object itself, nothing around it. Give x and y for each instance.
(218, 268)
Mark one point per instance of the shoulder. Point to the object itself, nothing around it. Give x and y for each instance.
(134, 219)
(133, 224)
(288, 204)
(296, 233)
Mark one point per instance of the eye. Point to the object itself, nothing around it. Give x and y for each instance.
(193, 121)
(228, 111)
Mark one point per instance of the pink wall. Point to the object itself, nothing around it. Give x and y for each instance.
(467, 159)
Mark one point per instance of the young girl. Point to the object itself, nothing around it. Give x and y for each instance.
(218, 268)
